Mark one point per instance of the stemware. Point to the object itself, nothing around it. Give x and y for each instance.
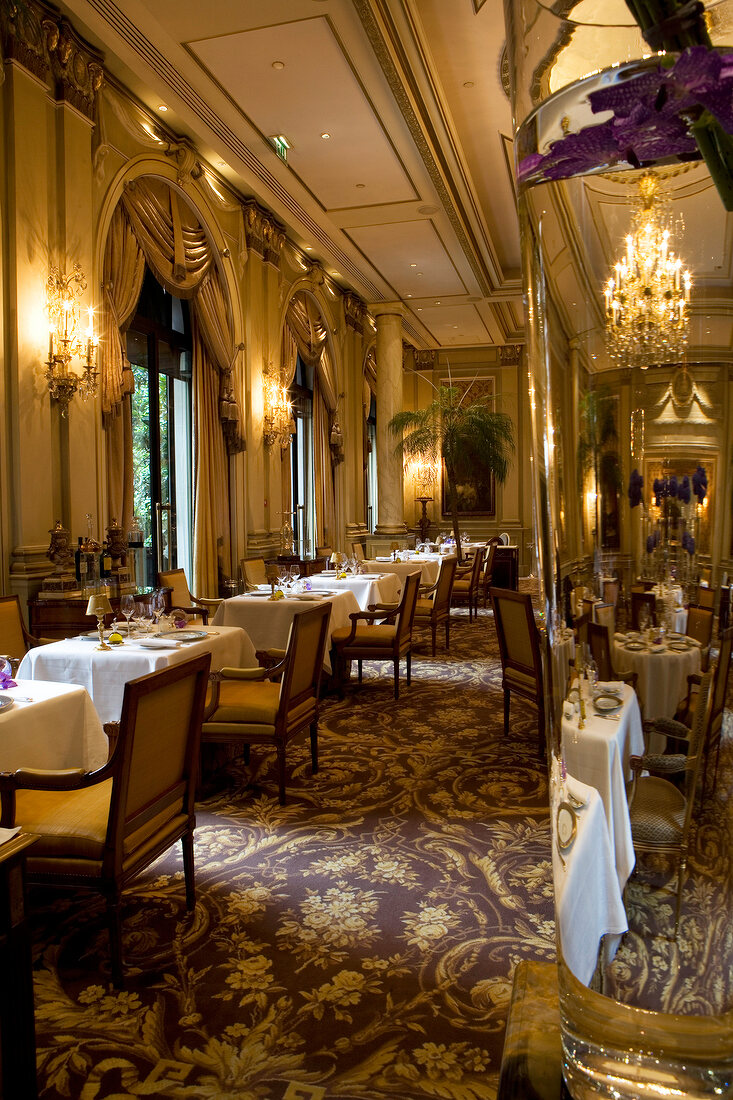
(127, 607)
(294, 576)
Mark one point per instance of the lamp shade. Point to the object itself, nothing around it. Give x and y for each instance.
(99, 605)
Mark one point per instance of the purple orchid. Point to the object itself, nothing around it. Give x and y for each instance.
(636, 484)
(700, 483)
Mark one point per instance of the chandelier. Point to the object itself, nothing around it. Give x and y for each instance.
(279, 423)
(67, 341)
(647, 296)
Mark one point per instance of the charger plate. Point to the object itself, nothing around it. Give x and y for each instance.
(635, 646)
(605, 702)
(567, 825)
(679, 646)
(6, 701)
(181, 635)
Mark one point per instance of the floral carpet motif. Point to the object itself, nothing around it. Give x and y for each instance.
(359, 942)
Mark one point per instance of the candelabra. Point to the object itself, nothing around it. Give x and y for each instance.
(66, 342)
(647, 296)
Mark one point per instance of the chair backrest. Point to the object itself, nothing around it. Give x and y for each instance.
(175, 579)
(444, 584)
(477, 562)
(600, 647)
(254, 571)
(700, 624)
(323, 551)
(304, 659)
(705, 596)
(580, 629)
(611, 591)
(696, 742)
(519, 640)
(156, 756)
(504, 537)
(408, 603)
(639, 600)
(605, 615)
(358, 550)
(720, 677)
(12, 635)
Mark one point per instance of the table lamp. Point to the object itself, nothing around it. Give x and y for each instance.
(100, 606)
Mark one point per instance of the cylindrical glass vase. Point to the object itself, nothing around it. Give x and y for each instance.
(624, 168)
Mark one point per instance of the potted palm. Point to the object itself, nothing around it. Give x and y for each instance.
(462, 432)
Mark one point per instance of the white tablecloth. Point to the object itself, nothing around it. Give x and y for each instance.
(104, 672)
(267, 622)
(662, 683)
(671, 597)
(59, 728)
(588, 900)
(563, 652)
(367, 587)
(428, 564)
(599, 756)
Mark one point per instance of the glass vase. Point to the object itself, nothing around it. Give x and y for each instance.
(624, 170)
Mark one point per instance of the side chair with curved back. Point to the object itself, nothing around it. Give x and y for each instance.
(358, 551)
(433, 604)
(467, 583)
(661, 812)
(97, 830)
(705, 596)
(178, 594)
(486, 576)
(686, 711)
(639, 600)
(700, 627)
(15, 640)
(254, 572)
(520, 649)
(386, 634)
(600, 647)
(246, 707)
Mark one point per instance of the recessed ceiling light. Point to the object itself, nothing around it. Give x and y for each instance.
(278, 64)
(427, 210)
(419, 309)
(325, 136)
(413, 265)
(408, 295)
(309, 248)
(420, 274)
(468, 84)
(437, 303)
(222, 164)
(360, 186)
(336, 274)
(162, 107)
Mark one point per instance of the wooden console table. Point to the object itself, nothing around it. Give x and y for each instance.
(505, 572)
(59, 618)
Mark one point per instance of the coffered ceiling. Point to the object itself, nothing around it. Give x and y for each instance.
(399, 175)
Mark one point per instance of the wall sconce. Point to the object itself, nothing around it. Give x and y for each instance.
(336, 436)
(424, 473)
(66, 341)
(279, 423)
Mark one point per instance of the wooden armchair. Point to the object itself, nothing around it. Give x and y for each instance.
(178, 594)
(600, 647)
(98, 830)
(700, 627)
(639, 600)
(254, 572)
(246, 707)
(386, 635)
(521, 653)
(467, 583)
(686, 711)
(15, 640)
(486, 576)
(433, 603)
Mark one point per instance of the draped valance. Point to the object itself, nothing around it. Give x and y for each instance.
(305, 328)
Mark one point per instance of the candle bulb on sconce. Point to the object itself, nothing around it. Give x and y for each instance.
(66, 341)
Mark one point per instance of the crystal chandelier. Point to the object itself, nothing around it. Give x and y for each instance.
(647, 296)
(66, 341)
(279, 423)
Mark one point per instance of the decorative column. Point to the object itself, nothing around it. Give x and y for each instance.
(391, 519)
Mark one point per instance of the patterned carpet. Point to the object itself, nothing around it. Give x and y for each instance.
(359, 942)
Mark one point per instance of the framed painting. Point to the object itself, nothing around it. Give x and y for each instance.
(476, 487)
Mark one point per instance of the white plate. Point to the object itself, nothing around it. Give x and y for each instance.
(181, 635)
(6, 702)
(635, 647)
(679, 647)
(157, 643)
(313, 597)
(607, 702)
(567, 825)
(327, 573)
(259, 595)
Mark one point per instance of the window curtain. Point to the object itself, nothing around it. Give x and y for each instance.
(169, 237)
(309, 334)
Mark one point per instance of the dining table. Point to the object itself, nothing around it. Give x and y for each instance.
(428, 564)
(596, 750)
(267, 621)
(369, 588)
(50, 726)
(662, 668)
(104, 673)
(589, 907)
(671, 597)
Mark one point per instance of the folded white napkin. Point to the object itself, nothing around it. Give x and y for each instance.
(619, 637)
(8, 834)
(693, 641)
(159, 643)
(613, 687)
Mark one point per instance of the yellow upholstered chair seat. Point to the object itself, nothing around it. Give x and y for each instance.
(517, 679)
(378, 635)
(72, 824)
(258, 701)
(520, 648)
(423, 608)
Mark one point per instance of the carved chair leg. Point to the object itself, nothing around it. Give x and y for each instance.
(396, 677)
(114, 922)
(281, 773)
(314, 746)
(188, 871)
(359, 664)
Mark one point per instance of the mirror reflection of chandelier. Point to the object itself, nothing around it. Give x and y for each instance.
(647, 320)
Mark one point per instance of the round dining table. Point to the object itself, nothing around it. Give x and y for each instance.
(662, 670)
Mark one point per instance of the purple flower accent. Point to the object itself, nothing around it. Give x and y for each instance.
(661, 490)
(636, 484)
(7, 681)
(673, 486)
(650, 118)
(683, 493)
(700, 483)
(688, 543)
(652, 542)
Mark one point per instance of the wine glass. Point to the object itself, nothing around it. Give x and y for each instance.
(644, 619)
(157, 606)
(127, 607)
(294, 575)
